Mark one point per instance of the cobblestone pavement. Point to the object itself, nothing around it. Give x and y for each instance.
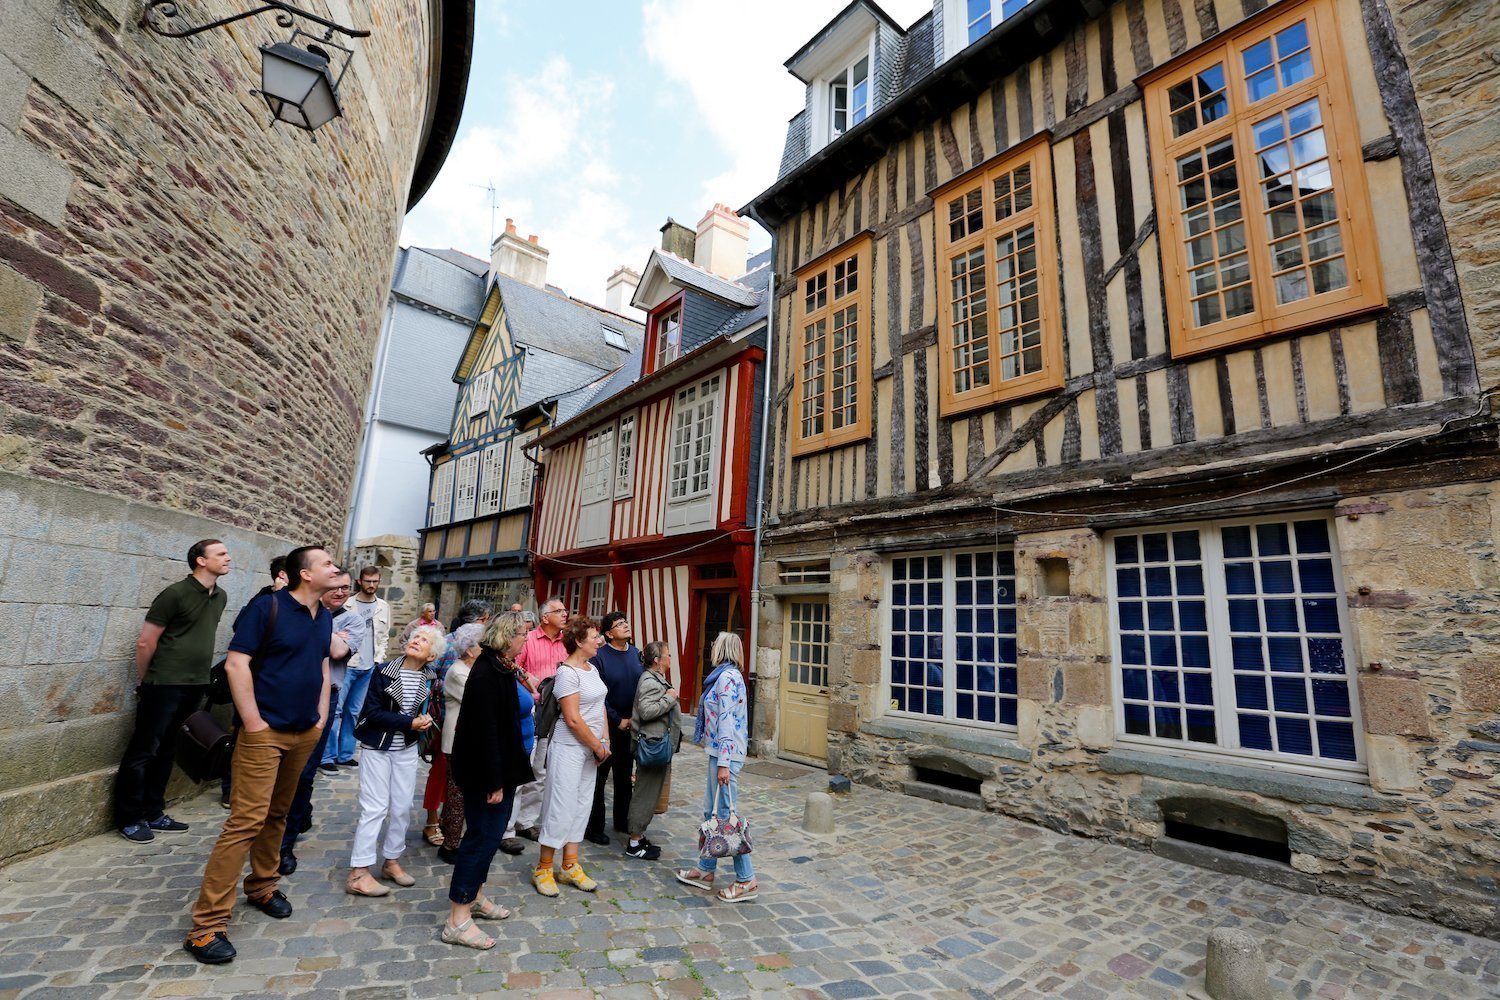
(913, 899)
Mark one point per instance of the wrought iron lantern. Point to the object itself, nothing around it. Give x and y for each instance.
(298, 83)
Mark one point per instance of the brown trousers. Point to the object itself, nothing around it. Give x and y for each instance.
(263, 780)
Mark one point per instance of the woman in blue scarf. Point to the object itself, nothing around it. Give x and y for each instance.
(723, 721)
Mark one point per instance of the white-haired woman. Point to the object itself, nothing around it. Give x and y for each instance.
(390, 723)
(722, 728)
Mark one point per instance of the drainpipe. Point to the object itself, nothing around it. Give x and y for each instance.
(765, 446)
(376, 384)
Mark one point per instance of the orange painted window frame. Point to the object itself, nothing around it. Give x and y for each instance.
(1042, 216)
(1330, 84)
(860, 249)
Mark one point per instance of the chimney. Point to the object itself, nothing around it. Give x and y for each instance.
(619, 289)
(723, 242)
(524, 260)
(678, 239)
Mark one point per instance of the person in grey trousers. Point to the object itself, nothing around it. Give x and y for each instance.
(656, 714)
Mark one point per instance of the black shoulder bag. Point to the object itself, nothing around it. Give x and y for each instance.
(204, 746)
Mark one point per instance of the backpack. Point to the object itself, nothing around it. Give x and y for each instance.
(547, 710)
(218, 676)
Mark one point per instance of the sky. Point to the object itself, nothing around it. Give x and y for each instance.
(595, 121)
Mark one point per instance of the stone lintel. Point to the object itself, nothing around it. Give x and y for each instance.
(1237, 777)
(949, 737)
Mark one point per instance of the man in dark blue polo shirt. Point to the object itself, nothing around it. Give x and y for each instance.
(282, 700)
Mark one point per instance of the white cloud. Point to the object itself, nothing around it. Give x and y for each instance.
(729, 57)
(545, 143)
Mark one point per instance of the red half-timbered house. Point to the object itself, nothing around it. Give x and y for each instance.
(647, 498)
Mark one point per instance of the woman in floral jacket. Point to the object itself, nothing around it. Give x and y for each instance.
(722, 728)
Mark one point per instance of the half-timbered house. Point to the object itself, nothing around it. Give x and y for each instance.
(1132, 463)
(533, 358)
(647, 498)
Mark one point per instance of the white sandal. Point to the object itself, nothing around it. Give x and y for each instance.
(467, 935)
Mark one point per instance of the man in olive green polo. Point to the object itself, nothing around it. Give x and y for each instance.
(172, 659)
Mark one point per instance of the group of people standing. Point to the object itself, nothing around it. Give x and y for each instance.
(312, 690)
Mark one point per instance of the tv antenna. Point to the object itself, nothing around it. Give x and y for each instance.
(489, 189)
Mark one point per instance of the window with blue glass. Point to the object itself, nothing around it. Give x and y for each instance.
(1233, 636)
(985, 14)
(952, 621)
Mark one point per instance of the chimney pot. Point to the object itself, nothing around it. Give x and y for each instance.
(510, 225)
(531, 238)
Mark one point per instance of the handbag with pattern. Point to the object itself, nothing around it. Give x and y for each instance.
(723, 838)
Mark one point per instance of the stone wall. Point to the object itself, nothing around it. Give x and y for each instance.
(189, 304)
(80, 569)
(1421, 837)
(396, 555)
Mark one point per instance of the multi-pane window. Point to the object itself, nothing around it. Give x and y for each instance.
(668, 336)
(491, 480)
(998, 277)
(849, 97)
(480, 392)
(952, 621)
(1231, 636)
(518, 478)
(806, 572)
(807, 642)
(442, 495)
(625, 463)
(598, 588)
(831, 351)
(982, 15)
(598, 465)
(1260, 188)
(693, 425)
(466, 486)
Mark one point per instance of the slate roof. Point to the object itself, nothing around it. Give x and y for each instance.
(683, 272)
(468, 262)
(546, 375)
(757, 278)
(914, 55)
(564, 326)
(434, 278)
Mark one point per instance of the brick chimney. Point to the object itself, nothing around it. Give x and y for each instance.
(678, 239)
(524, 260)
(619, 289)
(723, 242)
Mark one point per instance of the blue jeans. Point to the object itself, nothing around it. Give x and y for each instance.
(484, 827)
(341, 722)
(743, 872)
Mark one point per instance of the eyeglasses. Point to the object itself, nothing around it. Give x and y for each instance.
(555, 611)
(342, 587)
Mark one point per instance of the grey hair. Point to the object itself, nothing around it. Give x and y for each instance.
(728, 649)
(466, 637)
(435, 636)
(472, 610)
(502, 630)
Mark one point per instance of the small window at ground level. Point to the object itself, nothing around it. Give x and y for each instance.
(1233, 636)
(805, 572)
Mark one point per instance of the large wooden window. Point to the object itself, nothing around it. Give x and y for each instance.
(691, 473)
(832, 349)
(466, 487)
(1260, 187)
(997, 252)
(491, 480)
(668, 336)
(441, 509)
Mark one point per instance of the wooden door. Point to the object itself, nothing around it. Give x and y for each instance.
(804, 680)
(718, 611)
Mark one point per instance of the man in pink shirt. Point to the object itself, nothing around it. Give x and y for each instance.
(539, 657)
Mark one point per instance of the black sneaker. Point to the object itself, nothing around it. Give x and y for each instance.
(166, 824)
(527, 832)
(645, 850)
(215, 951)
(275, 905)
(513, 845)
(596, 837)
(329, 767)
(224, 799)
(351, 762)
(137, 833)
(288, 864)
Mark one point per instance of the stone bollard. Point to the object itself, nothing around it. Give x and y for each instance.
(817, 815)
(839, 783)
(1235, 969)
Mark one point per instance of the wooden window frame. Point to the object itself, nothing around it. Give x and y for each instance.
(598, 465)
(491, 479)
(861, 249)
(1042, 217)
(625, 457)
(441, 511)
(674, 304)
(519, 473)
(481, 394)
(466, 486)
(1329, 83)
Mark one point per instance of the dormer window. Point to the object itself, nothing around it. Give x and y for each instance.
(668, 336)
(986, 14)
(849, 97)
(614, 338)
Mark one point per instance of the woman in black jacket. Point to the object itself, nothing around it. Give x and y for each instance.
(489, 763)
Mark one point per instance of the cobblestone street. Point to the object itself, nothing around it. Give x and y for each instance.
(913, 899)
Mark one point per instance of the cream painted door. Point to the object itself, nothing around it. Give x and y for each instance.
(804, 680)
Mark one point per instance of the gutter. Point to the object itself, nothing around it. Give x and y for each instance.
(765, 446)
